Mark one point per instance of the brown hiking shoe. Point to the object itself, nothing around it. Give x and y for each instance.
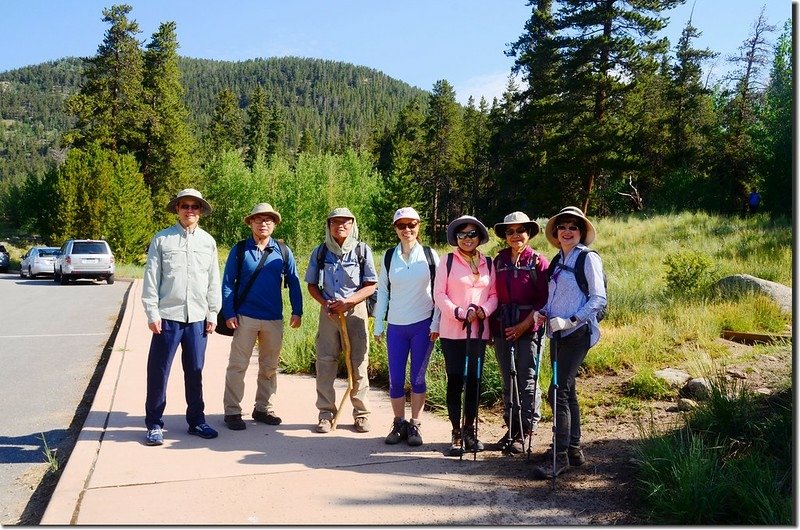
(456, 445)
(547, 470)
(234, 422)
(575, 455)
(266, 417)
(362, 424)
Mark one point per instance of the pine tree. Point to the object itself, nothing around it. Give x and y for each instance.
(258, 118)
(109, 106)
(168, 159)
(226, 133)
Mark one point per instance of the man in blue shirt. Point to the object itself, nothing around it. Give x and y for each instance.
(340, 287)
(258, 316)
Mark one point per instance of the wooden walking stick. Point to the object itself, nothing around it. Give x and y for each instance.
(348, 362)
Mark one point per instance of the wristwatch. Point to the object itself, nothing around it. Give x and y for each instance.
(573, 319)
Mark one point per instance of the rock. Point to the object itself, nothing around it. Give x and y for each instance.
(673, 376)
(764, 390)
(697, 388)
(686, 404)
(735, 372)
(781, 294)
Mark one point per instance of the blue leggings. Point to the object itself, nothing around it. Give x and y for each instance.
(400, 340)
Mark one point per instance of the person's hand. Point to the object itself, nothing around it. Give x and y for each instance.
(339, 306)
(481, 314)
(295, 321)
(378, 338)
(472, 315)
(210, 327)
(232, 323)
(561, 324)
(434, 335)
(539, 318)
(155, 327)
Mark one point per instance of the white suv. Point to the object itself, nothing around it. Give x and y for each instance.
(85, 258)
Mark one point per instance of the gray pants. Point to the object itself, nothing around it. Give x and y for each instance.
(572, 350)
(530, 402)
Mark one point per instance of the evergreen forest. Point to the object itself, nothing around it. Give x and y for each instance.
(598, 112)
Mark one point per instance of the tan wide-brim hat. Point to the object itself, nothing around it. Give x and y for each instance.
(516, 218)
(194, 194)
(465, 219)
(263, 208)
(340, 212)
(570, 211)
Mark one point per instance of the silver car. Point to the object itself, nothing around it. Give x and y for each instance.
(85, 258)
(38, 261)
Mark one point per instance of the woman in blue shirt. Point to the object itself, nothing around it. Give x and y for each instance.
(572, 327)
(405, 289)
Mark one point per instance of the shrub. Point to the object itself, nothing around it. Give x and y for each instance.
(689, 273)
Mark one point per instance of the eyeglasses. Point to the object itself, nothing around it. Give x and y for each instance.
(263, 220)
(402, 226)
(512, 231)
(571, 228)
(190, 207)
(472, 234)
(341, 221)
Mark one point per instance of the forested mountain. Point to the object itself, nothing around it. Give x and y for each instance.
(334, 104)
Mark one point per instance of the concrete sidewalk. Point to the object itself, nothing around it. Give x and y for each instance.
(287, 474)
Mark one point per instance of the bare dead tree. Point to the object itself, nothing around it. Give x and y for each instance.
(634, 196)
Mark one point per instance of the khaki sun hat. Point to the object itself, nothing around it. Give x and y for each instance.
(194, 194)
(516, 218)
(263, 208)
(466, 219)
(340, 212)
(570, 211)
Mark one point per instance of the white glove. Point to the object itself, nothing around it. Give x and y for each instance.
(560, 324)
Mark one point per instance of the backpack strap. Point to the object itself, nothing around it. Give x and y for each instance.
(387, 264)
(431, 265)
(449, 263)
(360, 254)
(285, 256)
(321, 251)
(579, 271)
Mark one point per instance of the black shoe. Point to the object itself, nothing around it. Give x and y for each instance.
(547, 470)
(471, 443)
(399, 432)
(456, 448)
(234, 422)
(575, 456)
(266, 417)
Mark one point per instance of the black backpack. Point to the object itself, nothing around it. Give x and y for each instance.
(580, 275)
(450, 263)
(361, 255)
(387, 260)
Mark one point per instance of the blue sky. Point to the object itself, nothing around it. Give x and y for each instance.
(416, 41)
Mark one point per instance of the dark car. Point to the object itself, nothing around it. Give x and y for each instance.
(4, 258)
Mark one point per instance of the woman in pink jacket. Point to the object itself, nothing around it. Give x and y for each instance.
(464, 290)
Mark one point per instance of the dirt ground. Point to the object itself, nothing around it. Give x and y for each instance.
(603, 489)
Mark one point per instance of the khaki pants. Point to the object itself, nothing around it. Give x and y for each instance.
(329, 346)
(270, 336)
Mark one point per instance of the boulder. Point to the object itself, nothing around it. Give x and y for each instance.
(686, 404)
(738, 283)
(697, 388)
(673, 377)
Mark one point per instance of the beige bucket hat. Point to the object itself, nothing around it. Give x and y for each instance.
(194, 194)
(516, 218)
(263, 208)
(587, 235)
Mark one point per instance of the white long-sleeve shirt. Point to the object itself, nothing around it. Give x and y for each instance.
(410, 299)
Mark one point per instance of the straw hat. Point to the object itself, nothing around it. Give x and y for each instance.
(194, 194)
(516, 218)
(570, 211)
(263, 208)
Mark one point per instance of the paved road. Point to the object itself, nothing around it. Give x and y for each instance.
(51, 339)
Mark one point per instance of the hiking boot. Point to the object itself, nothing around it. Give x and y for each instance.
(414, 437)
(324, 425)
(155, 436)
(516, 447)
(471, 442)
(456, 448)
(399, 432)
(362, 424)
(546, 470)
(234, 422)
(203, 430)
(575, 455)
(266, 417)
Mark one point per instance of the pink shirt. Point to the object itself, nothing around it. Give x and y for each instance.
(460, 289)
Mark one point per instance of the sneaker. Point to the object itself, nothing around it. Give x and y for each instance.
(414, 437)
(399, 432)
(516, 447)
(575, 455)
(471, 443)
(456, 448)
(547, 470)
(203, 430)
(362, 424)
(324, 425)
(266, 417)
(155, 436)
(234, 422)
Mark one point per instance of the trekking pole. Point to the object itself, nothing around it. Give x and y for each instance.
(538, 332)
(479, 375)
(513, 386)
(348, 362)
(463, 421)
(556, 340)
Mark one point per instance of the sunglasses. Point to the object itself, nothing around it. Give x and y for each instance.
(190, 206)
(472, 234)
(571, 228)
(512, 231)
(402, 226)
